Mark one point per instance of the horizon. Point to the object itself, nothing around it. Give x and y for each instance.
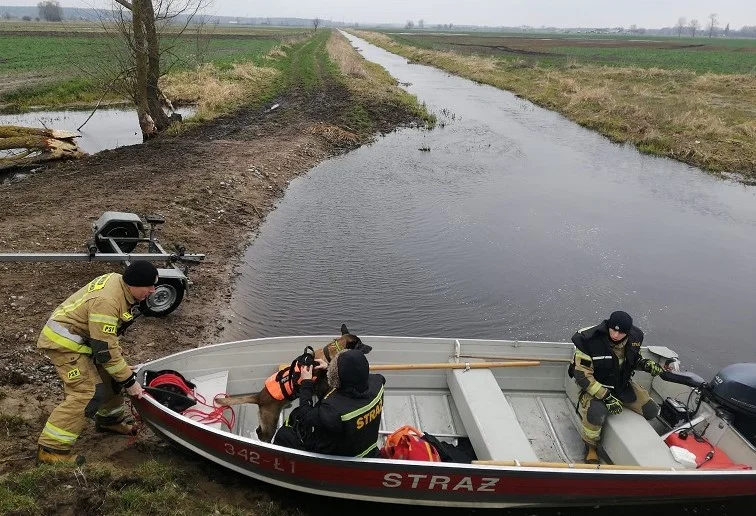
(646, 14)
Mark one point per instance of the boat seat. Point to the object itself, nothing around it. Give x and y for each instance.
(628, 439)
(489, 419)
(208, 387)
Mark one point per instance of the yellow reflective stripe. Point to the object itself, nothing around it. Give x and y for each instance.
(102, 318)
(63, 310)
(347, 417)
(594, 388)
(375, 445)
(590, 433)
(117, 367)
(59, 434)
(60, 340)
(118, 411)
(583, 356)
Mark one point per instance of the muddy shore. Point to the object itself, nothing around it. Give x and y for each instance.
(214, 185)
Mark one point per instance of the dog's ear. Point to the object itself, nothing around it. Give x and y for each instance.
(344, 329)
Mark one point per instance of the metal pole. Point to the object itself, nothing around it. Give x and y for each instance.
(84, 257)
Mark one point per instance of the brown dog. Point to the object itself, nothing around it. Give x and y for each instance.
(270, 406)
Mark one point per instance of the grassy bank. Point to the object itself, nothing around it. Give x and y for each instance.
(53, 68)
(153, 487)
(705, 119)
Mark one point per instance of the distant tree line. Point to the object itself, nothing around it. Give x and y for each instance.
(50, 11)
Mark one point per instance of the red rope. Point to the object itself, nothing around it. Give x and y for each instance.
(214, 415)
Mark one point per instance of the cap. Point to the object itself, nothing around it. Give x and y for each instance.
(620, 321)
(140, 273)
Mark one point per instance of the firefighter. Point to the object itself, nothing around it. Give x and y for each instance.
(347, 420)
(81, 340)
(606, 358)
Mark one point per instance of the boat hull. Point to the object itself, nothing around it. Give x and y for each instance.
(439, 484)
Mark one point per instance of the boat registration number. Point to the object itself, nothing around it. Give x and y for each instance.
(253, 457)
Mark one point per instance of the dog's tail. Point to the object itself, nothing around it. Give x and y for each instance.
(238, 399)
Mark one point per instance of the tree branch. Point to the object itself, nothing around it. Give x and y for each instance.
(125, 3)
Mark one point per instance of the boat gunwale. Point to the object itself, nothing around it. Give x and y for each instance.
(338, 459)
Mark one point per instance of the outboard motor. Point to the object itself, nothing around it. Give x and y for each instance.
(734, 388)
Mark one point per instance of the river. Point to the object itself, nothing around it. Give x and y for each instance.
(515, 224)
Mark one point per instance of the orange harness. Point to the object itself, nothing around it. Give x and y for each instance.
(284, 384)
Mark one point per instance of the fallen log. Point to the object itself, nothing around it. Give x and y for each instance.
(28, 146)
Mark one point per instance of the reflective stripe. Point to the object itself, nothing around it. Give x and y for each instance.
(118, 411)
(118, 366)
(373, 447)
(594, 388)
(590, 433)
(64, 338)
(605, 357)
(63, 310)
(347, 417)
(59, 434)
(581, 330)
(102, 318)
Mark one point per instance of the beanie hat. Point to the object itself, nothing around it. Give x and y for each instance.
(620, 321)
(349, 371)
(140, 274)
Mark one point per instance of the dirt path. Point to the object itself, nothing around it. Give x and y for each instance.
(214, 185)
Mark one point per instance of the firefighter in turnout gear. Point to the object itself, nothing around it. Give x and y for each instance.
(346, 421)
(81, 340)
(606, 357)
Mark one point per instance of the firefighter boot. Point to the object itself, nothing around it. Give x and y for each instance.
(120, 425)
(51, 456)
(591, 455)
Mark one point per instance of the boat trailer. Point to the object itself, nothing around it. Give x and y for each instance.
(114, 236)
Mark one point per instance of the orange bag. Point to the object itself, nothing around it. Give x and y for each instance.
(406, 443)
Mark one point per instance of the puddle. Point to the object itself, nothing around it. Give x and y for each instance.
(107, 129)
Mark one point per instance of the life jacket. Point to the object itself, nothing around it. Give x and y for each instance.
(284, 385)
(406, 443)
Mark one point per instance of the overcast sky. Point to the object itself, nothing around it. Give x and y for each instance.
(557, 13)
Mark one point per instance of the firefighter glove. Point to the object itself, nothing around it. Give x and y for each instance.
(613, 405)
(652, 367)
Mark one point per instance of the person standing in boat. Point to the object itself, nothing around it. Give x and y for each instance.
(347, 419)
(606, 357)
(81, 340)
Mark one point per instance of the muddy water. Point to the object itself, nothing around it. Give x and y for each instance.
(515, 224)
(107, 129)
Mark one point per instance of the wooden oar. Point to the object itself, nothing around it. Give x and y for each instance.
(237, 399)
(564, 465)
(452, 365)
(541, 359)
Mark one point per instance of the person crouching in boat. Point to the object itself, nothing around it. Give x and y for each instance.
(606, 357)
(347, 419)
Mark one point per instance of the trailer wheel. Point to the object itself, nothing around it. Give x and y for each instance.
(166, 298)
(115, 230)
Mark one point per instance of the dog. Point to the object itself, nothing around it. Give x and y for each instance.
(270, 404)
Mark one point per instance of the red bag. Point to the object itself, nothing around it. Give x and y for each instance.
(406, 443)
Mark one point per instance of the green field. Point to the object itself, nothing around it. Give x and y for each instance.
(49, 65)
(718, 55)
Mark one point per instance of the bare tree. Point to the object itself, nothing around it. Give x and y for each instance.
(694, 25)
(409, 25)
(315, 23)
(681, 22)
(50, 11)
(727, 30)
(143, 26)
(712, 23)
(420, 24)
(633, 28)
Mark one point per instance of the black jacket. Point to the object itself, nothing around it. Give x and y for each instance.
(343, 422)
(595, 342)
